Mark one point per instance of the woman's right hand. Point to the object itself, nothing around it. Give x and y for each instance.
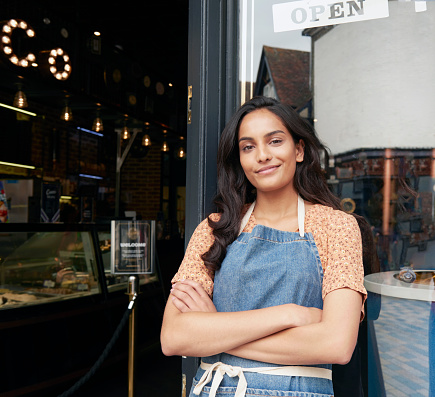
(300, 315)
(189, 296)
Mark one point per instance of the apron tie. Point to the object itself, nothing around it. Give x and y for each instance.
(221, 369)
(232, 371)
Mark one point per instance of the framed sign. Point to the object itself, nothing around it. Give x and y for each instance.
(132, 247)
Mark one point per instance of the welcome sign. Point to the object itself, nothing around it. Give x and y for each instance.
(132, 247)
(304, 14)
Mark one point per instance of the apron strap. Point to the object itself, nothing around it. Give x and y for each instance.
(301, 216)
(232, 371)
(246, 217)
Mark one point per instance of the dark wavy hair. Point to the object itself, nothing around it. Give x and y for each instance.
(234, 190)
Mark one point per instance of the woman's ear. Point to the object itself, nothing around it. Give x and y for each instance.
(300, 150)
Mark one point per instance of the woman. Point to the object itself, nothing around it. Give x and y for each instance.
(282, 263)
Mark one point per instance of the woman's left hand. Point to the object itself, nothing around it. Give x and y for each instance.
(189, 296)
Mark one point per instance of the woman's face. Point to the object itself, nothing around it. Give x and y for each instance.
(268, 154)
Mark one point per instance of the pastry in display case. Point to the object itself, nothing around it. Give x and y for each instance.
(43, 266)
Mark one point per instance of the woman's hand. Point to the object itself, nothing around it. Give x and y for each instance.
(301, 315)
(189, 296)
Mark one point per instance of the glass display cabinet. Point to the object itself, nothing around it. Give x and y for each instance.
(60, 305)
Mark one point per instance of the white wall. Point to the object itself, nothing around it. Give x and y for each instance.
(374, 81)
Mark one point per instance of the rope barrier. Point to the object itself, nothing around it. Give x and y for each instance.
(103, 356)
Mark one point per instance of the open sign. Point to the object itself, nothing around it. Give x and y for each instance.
(302, 14)
(55, 60)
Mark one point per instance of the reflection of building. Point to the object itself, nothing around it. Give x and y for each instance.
(364, 109)
(284, 74)
(373, 82)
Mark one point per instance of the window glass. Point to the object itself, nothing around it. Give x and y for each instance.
(45, 266)
(362, 72)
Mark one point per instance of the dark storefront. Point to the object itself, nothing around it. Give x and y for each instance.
(93, 130)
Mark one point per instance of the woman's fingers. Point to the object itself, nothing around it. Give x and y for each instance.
(185, 296)
(180, 305)
(193, 296)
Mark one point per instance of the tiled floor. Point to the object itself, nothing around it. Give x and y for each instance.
(402, 335)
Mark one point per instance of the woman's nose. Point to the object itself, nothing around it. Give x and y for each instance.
(263, 154)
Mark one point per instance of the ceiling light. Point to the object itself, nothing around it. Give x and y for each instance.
(125, 133)
(146, 140)
(30, 167)
(165, 147)
(89, 131)
(97, 125)
(181, 153)
(90, 176)
(20, 100)
(66, 114)
(18, 109)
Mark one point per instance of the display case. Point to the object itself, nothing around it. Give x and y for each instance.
(60, 305)
(39, 267)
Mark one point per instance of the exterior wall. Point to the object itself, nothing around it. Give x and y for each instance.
(373, 81)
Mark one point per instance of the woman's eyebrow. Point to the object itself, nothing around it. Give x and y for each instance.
(247, 138)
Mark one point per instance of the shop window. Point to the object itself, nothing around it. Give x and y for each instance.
(366, 76)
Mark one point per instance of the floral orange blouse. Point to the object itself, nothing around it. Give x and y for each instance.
(337, 237)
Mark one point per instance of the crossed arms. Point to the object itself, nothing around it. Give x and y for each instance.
(287, 334)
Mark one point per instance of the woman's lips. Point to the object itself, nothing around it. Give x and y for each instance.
(267, 170)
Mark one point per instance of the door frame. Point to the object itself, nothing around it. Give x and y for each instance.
(213, 78)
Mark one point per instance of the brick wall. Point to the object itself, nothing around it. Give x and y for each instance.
(61, 152)
(140, 183)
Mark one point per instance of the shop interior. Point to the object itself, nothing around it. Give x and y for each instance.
(93, 129)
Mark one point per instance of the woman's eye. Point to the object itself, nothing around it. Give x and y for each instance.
(247, 147)
(276, 141)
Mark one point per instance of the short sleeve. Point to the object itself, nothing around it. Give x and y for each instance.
(344, 264)
(192, 267)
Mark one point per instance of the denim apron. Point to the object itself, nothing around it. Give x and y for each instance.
(265, 268)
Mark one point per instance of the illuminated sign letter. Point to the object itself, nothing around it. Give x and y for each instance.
(55, 62)
(6, 43)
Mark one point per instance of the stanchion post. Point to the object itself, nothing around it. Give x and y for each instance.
(133, 290)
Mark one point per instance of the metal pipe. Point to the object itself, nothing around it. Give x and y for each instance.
(133, 290)
(387, 193)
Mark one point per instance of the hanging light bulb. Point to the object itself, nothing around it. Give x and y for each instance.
(20, 100)
(146, 140)
(181, 153)
(125, 133)
(66, 114)
(97, 125)
(165, 147)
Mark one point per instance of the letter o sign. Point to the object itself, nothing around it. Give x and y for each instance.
(299, 15)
